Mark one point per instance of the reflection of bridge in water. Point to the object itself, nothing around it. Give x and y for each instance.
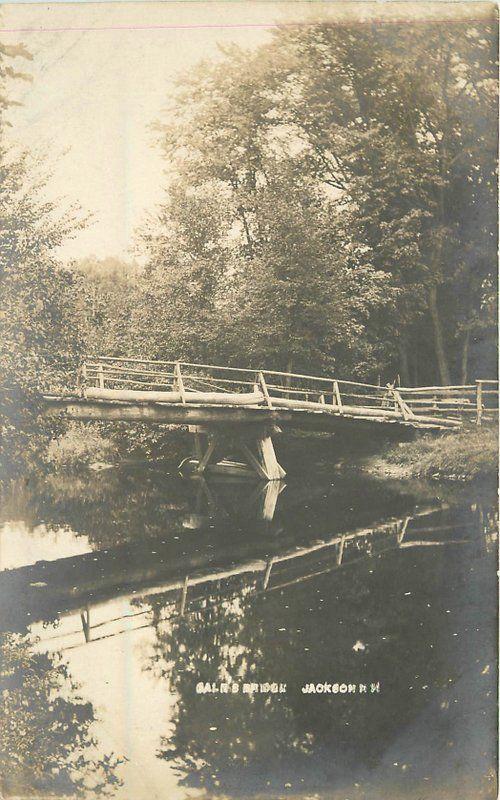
(230, 409)
(102, 594)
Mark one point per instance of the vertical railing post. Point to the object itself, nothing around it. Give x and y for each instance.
(81, 379)
(479, 402)
(267, 575)
(178, 382)
(336, 395)
(340, 552)
(184, 596)
(263, 387)
(100, 374)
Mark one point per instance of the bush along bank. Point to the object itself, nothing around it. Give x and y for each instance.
(100, 444)
(468, 455)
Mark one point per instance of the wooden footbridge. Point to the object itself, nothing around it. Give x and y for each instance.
(228, 408)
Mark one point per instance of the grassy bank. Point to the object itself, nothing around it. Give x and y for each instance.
(91, 444)
(469, 455)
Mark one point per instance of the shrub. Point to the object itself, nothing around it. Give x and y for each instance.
(80, 445)
(469, 454)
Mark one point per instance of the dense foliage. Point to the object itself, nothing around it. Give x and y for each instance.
(40, 333)
(332, 204)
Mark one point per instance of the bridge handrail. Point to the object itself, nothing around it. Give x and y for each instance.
(115, 372)
(226, 368)
(447, 402)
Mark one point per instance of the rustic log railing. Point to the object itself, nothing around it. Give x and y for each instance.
(474, 402)
(206, 384)
(230, 408)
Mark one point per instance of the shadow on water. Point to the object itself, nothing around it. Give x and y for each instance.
(333, 637)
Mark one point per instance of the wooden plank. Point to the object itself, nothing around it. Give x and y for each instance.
(267, 575)
(234, 469)
(340, 553)
(435, 389)
(212, 444)
(198, 398)
(254, 462)
(268, 499)
(112, 370)
(263, 388)
(185, 587)
(197, 446)
(85, 618)
(405, 409)
(295, 416)
(267, 456)
(132, 395)
(336, 392)
(401, 530)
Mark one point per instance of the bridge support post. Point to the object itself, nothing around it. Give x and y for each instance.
(211, 446)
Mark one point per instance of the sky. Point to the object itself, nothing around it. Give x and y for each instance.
(101, 76)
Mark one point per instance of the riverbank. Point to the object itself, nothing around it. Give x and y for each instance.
(466, 456)
(470, 455)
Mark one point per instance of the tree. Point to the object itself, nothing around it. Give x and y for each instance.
(106, 302)
(347, 166)
(246, 238)
(403, 122)
(40, 329)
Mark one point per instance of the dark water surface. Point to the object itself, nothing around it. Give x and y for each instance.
(122, 591)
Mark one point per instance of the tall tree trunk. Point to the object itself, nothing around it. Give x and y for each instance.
(404, 369)
(465, 357)
(439, 348)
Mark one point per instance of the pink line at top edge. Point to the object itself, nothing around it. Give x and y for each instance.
(146, 27)
(394, 21)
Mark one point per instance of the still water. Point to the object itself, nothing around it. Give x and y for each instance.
(331, 637)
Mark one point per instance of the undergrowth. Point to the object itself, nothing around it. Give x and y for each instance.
(467, 455)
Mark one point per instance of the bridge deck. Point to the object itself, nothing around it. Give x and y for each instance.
(180, 393)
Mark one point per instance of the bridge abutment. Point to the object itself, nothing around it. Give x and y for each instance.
(211, 446)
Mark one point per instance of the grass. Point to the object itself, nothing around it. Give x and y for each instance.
(468, 455)
(87, 444)
(80, 445)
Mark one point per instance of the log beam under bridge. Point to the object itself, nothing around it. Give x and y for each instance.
(211, 447)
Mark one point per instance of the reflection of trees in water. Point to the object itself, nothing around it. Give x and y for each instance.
(157, 503)
(94, 505)
(305, 633)
(214, 736)
(46, 744)
(397, 605)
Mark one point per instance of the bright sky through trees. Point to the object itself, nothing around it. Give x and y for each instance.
(102, 74)
(95, 94)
